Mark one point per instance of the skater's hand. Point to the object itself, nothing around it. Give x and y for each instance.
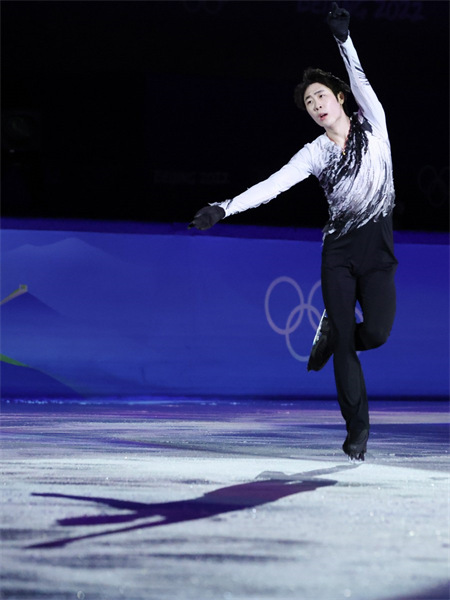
(338, 20)
(207, 217)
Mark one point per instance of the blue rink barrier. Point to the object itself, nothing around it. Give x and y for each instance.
(114, 309)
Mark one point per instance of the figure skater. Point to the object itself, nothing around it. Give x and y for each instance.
(352, 161)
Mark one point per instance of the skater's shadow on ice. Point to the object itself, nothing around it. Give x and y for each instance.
(267, 487)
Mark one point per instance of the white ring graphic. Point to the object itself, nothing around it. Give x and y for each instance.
(295, 317)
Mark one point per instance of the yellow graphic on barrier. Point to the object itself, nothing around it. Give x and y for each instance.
(22, 289)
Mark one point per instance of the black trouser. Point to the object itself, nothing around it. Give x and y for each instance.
(359, 266)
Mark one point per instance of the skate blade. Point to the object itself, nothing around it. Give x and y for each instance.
(317, 336)
(356, 457)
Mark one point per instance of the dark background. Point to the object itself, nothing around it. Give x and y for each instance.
(145, 111)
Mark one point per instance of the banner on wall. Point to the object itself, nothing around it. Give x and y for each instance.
(122, 314)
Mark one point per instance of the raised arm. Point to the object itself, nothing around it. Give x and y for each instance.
(369, 105)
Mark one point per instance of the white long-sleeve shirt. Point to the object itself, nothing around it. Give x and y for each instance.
(358, 185)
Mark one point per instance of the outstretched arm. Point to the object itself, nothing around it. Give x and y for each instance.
(297, 169)
(369, 105)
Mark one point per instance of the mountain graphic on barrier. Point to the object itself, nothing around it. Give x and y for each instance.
(21, 304)
(22, 311)
(81, 280)
(51, 354)
(21, 381)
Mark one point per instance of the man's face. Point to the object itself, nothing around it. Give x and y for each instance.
(322, 105)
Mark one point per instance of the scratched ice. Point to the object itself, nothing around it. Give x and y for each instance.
(223, 500)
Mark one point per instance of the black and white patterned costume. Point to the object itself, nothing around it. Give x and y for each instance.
(358, 183)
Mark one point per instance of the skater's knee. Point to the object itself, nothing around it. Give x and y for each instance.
(374, 337)
(379, 338)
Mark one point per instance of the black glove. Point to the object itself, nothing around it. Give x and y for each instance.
(338, 20)
(207, 217)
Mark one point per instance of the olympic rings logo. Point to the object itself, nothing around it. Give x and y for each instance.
(295, 317)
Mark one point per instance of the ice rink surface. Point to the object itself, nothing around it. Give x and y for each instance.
(176, 499)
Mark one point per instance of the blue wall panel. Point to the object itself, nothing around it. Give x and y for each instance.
(194, 314)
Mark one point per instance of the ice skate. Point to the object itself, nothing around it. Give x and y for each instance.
(321, 348)
(355, 445)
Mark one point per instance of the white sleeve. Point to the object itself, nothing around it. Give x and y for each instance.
(296, 170)
(369, 105)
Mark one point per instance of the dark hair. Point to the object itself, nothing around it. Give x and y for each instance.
(335, 84)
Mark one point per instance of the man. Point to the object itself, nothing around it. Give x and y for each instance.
(352, 161)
